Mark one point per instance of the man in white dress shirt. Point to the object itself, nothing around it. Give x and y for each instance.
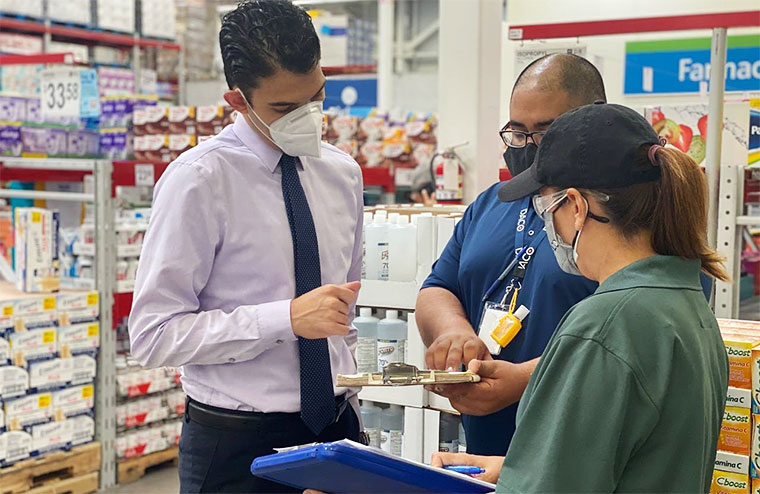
(250, 268)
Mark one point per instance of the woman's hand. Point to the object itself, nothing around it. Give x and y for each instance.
(491, 464)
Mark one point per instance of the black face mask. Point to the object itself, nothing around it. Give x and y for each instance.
(519, 159)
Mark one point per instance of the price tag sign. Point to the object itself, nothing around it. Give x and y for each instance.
(145, 175)
(60, 91)
(69, 92)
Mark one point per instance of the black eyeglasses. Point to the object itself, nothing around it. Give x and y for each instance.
(518, 138)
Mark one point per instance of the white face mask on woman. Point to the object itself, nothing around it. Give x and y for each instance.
(299, 133)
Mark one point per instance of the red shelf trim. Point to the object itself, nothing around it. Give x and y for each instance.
(85, 34)
(350, 69)
(67, 58)
(638, 25)
(379, 176)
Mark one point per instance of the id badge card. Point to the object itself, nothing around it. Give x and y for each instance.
(493, 313)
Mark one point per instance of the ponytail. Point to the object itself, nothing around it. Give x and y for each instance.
(673, 209)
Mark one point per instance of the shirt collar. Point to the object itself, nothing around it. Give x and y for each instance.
(256, 143)
(655, 272)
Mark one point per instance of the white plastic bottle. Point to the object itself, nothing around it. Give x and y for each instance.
(366, 345)
(376, 235)
(367, 221)
(402, 250)
(393, 218)
(392, 436)
(391, 339)
(371, 419)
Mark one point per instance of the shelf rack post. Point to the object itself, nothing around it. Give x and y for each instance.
(105, 240)
(714, 129)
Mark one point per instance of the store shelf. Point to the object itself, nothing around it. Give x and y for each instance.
(388, 294)
(81, 249)
(408, 396)
(84, 35)
(42, 58)
(440, 403)
(125, 172)
(45, 169)
(748, 220)
(379, 176)
(349, 69)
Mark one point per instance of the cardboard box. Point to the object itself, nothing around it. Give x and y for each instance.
(50, 437)
(14, 381)
(152, 148)
(37, 265)
(71, 300)
(180, 143)
(15, 446)
(50, 374)
(82, 429)
(79, 338)
(84, 369)
(15, 303)
(74, 401)
(28, 410)
(182, 120)
(43, 320)
(151, 120)
(2, 422)
(736, 431)
(5, 351)
(209, 120)
(729, 483)
(39, 344)
(730, 462)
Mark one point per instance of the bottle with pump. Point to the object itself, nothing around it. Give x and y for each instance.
(376, 236)
(371, 417)
(366, 345)
(402, 250)
(391, 340)
(392, 435)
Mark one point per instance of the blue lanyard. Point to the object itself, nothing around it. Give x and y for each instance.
(523, 253)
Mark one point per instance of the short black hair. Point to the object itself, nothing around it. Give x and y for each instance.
(567, 72)
(261, 36)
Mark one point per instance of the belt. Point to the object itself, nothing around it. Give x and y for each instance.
(237, 419)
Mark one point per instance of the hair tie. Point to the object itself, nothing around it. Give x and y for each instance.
(652, 152)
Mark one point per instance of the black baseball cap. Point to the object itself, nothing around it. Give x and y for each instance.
(591, 147)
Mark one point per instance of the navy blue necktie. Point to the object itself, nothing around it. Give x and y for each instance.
(317, 396)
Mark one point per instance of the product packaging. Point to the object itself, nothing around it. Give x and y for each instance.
(209, 120)
(10, 140)
(5, 352)
(74, 401)
(84, 369)
(151, 120)
(82, 429)
(50, 437)
(182, 120)
(50, 374)
(14, 381)
(28, 410)
(736, 431)
(730, 462)
(77, 307)
(36, 243)
(79, 338)
(729, 483)
(38, 344)
(179, 143)
(12, 109)
(152, 148)
(14, 446)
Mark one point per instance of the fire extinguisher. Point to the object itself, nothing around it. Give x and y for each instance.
(447, 170)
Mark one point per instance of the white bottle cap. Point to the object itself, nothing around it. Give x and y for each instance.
(382, 213)
(402, 220)
(522, 312)
(367, 218)
(365, 312)
(415, 218)
(393, 218)
(380, 219)
(391, 314)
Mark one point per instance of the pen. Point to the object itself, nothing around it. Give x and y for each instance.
(464, 469)
(503, 275)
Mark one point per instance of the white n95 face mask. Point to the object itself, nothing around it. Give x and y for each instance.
(566, 255)
(299, 133)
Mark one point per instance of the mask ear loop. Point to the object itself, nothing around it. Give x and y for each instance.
(250, 109)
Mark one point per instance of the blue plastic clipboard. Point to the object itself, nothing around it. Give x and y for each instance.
(346, 467)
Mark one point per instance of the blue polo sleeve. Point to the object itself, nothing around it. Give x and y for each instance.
(445, 272)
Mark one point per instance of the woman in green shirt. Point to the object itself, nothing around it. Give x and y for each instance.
(629, 394)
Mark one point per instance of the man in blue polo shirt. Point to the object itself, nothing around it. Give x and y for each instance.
(470, 272)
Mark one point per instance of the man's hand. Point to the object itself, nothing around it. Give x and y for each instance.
(450, 350)
(491, 464)
(501, 385)
(323, 311)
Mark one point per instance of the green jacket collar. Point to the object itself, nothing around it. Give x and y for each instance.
(655, 272)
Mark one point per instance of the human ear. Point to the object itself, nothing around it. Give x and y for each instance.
(579, 207)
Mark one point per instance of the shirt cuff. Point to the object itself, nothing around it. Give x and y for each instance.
(273, 320)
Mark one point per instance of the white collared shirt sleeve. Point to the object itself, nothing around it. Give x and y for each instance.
(166, 325)
(355, 271)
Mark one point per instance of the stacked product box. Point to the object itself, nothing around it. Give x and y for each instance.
(116, 15)
(149, 410)
(737, 464)
(163, 133)
(37, 265)
(158, 19)
(46, 383)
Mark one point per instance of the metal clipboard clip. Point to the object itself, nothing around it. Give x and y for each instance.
(401, 374)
